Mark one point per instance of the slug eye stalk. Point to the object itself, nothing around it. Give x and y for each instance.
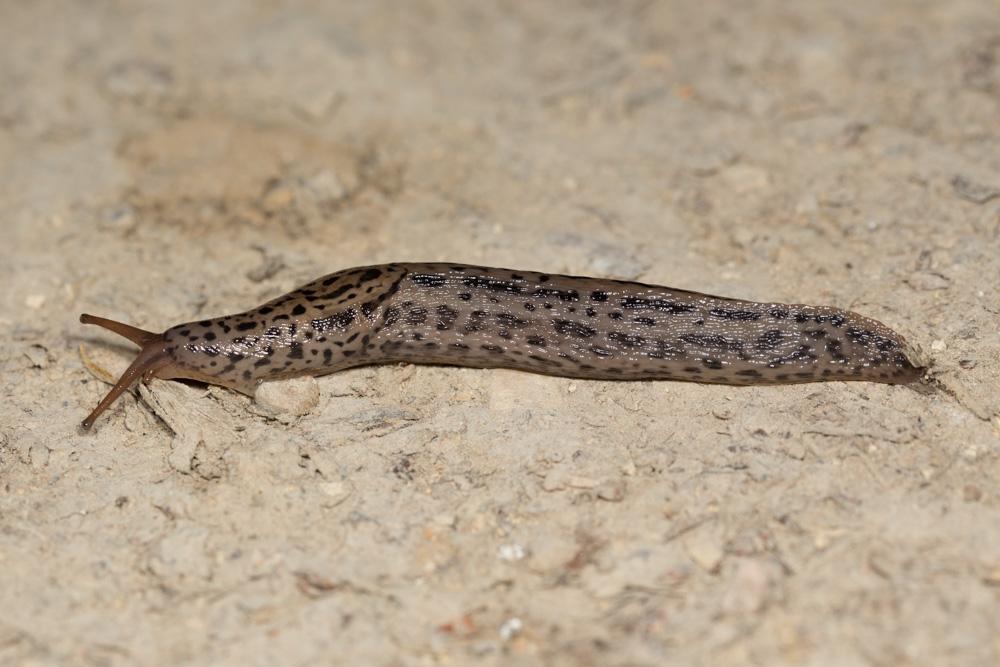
(152, 357)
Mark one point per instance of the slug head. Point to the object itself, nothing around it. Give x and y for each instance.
(153, 359)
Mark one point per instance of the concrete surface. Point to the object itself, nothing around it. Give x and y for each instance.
(161, 162)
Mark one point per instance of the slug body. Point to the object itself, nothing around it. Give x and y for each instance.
(488, 318)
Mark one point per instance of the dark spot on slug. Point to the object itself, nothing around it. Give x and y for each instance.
(492, 284)
(626, 340)
(416, 316)
(712, 341)
(340, 291)
(446, 317)
(599, 296)
(507, 320)
(476, 321)
(562, 295)
(769, 340)
(428, 279)
(741, 315)
(576, 329)
(246, 326)
(661, 305)
(391, 316)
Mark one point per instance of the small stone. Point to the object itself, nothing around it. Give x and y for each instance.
(510, 628)
(612, 491)
(38, 356)
(552, 552)
(317, 105)
(705, 547)
(338, 491)
(297, 396)
(969, 190)
(939, 345)
(181, 554)
(327, 186)
(972, 493)
(581, 482)
(992, 577)
(38, 454)
(277, 198)
(268, 267)
(925, 281)
(749, 587)
(120, 219)
(511, 552)
(555, 480)
(745, 178)
(34, 301)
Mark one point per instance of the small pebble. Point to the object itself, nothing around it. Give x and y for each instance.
(510, 627)
(297, 396)
(34, 301)
(512, 552)
(338, 492)
(705, 547)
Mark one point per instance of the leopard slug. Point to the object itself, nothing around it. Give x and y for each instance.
(499, 318)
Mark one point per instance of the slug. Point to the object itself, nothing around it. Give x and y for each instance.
(500, 318)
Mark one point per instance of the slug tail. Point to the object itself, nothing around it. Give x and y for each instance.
(152, 357)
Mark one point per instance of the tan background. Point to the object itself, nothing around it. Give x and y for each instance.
(188, 159)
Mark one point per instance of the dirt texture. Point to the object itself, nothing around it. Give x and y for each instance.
(163, 162)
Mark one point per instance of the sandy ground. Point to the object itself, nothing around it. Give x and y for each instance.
(178, 160)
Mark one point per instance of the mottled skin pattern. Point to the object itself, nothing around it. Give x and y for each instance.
(559, 325)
